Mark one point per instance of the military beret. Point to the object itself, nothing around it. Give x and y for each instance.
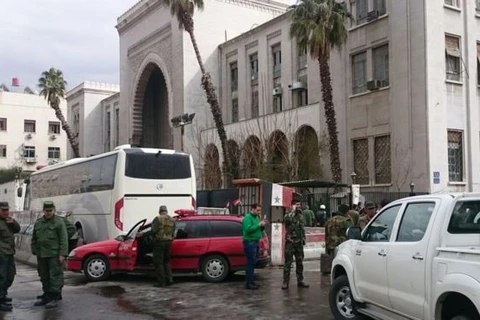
(4, 206)
(48, 205)
(163, 209)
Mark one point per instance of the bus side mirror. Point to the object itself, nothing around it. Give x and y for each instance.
(19, 192)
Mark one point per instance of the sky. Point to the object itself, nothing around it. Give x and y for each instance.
(77, 37)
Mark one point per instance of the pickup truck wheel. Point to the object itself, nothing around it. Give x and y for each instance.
(96, 268)
(341, 301)
(215, 268)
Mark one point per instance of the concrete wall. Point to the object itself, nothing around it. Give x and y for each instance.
(18, 107)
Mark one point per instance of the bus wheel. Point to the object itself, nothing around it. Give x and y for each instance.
(96, 268)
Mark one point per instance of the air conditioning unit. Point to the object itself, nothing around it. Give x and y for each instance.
(372, 15)
(299, 85)
(277, 91)
(53, 137)
(30, 160)
(374, 85)
(28, 136)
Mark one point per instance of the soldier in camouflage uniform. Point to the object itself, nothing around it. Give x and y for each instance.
(50, 245)
(370, 211)
(163, 230)
(294, 242)
(308, 216)
(8, 226)
(336, 229)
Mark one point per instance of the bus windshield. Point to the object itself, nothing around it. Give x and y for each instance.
(157, 166)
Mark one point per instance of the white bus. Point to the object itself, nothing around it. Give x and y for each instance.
(108, 193)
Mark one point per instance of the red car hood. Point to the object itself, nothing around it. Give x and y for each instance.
(99, 246)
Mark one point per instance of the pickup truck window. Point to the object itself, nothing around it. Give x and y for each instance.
(381, 228)
(465, 218)
(415, 221)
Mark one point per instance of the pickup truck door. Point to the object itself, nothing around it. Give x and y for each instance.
(370, 259)
(406, 265)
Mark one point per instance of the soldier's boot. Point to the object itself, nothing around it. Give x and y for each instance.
(302, 284)
(285, 285)
(45, 298)
(42, 296)
(53, 302)
(169, 282)
(4, 305)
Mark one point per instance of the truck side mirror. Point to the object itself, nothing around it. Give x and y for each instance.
(354, 233)
(19, 192)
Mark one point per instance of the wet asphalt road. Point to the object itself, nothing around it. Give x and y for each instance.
(134, 297)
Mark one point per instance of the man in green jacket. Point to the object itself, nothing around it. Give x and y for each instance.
(252, 229)
(50, 245)
(8, 226)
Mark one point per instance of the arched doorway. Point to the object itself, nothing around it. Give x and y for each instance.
(308, 161)
(252, 157)
(212, 174)
(151, 121)
(234, 154)
(278, 157)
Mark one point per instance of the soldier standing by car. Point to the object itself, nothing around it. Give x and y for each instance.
(294, 241)
(163, 230)
(336, 229)
(308, 216)
(50, 245)
(8, 226)
(370, 210)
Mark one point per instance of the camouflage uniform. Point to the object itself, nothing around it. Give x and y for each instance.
(335, 231)
(163, 230)
(363, 221)
(355, 216)
(308, 216)
(294, 242)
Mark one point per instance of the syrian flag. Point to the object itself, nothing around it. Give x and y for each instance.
(281, 196)
(236, 202)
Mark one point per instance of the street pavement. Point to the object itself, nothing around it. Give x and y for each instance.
(134, 297)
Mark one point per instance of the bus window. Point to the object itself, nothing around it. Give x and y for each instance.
(157, 166)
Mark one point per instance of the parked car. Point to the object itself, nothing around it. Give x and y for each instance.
(418, 258)
(211, 245)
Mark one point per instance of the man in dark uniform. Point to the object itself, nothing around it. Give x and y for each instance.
(50, 245)
(294, 241)
(8, 226)
(163, 230)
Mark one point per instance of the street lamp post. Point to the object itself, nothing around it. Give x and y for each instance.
(412, 187)
(182, 121)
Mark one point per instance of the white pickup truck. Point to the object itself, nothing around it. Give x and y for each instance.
(418, 258)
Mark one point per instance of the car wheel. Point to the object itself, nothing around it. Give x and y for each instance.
(96, 268)
(341, 301)
(215, 268)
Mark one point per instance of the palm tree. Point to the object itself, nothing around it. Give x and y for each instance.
(183, 10)
(318, 26)
(52, 87)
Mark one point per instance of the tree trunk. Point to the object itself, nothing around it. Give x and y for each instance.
(212, 99)
(327, 97)
(71, 138)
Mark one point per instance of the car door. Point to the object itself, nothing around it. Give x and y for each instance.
(370, 263)
(192, 238)
(406, 259)
(127, 249)
(227, 239)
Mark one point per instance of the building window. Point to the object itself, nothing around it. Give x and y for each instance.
(76, 122)
(380, 66)
(3, 151)
(3, 124)
(54, 127)
(109, 131)
(29, 126)
(255, 104)
(455, 156)
(301, 95)
(277, 103)
(117, 127)
(302, 58)
(453, 3)
(234, 76)
(277, 61)
(452, 57)
(53, 153)
(359, 70)
(383, 168)
(362, 11)
(29, 152)
(234, 110)
(380, 6)
(360, 161)
(254, 68)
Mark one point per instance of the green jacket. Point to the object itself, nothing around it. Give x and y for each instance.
(50, 238)
(71, 230)
(308, 216)
(336, 230)
(251, 229)
(163, 227)
(294, 227)
(7, 239)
